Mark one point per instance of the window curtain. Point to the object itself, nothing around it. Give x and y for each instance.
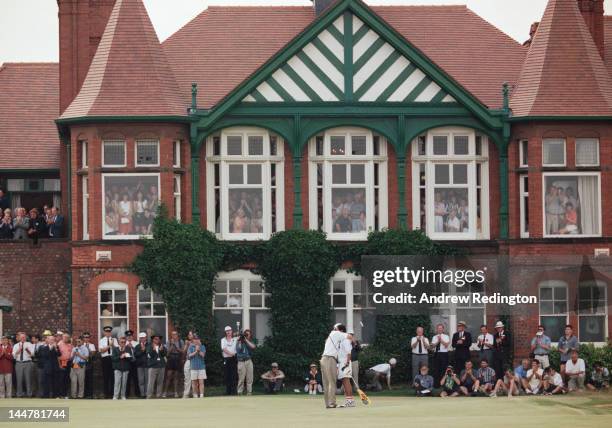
(589, 203)
(57, 200)
(15, 201)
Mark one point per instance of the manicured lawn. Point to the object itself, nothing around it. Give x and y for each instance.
(293, 410)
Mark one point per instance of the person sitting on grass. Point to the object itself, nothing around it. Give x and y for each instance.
(423, 382)
(378, 372)
(575, 371)
(600, 377)
(469, 380)
(273, 379)
(313, 380)
(450, 383)
(520, 374)
(508, 384)
(486, 377)
(197, 366)
(533, 381)
(553, 382)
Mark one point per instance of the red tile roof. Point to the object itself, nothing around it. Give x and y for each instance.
(29, 104)
(129, 75)
(223, 46)
(563, 74)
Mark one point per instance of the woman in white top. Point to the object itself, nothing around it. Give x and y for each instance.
(125, 215)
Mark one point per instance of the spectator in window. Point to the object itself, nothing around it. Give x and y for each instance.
(575, 371)
(37, 226)
(600, 377)
(123, 355)
(314, 382)
(540, 347)
(63, 377)
(423, 382)
(6, 226)
(5, 203)
(80, 360)
(140, 354)
(156, 353)
(571, 220)
(343, 223)
(567, 344)
(173, 364)
(6, 368)
(553, 382)
(21, 224)
(273, 379)
(533, 381)
(244, 354)
(55, 223)
(196, 354)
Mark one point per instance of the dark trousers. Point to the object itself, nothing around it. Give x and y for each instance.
(108, 376)
(62, 379)
(230, 375)
(40, 378)
(89, 376)
(440, 360)
(498, 364)
(133, 380)
(460, 361)
(49, 381)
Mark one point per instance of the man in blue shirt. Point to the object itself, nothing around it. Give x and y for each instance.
(520, 373)
(80, 357)
(196, 353)
(540, 347)
(423, 382)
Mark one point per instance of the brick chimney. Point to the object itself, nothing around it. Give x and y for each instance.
(81, 25)
(321, 5)
(593, 14)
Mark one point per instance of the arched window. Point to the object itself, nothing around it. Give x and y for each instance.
(113, 307)
(348, 183)
(245, 184)
(553, 307)
(450, 184)
(592, 315)
(152, 316)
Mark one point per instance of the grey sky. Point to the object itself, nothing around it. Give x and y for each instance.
(29, 28)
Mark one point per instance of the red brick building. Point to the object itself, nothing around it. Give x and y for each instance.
(342, 117)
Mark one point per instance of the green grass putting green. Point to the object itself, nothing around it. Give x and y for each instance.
(585, 410)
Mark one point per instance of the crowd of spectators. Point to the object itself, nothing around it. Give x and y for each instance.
(21, 224)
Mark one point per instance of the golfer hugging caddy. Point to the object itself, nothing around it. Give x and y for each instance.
(336, 364)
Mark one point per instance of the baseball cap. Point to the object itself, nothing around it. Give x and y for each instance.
(275, 365)
(392, 361)
(228, 328)
(141, 335)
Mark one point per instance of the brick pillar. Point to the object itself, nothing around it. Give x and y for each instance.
(593, 14)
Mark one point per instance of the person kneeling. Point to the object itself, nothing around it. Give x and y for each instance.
(553, 382)
(423, 383)
(273, 379)
(449, 383)
(600, 378)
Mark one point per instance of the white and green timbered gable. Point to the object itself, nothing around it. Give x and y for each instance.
(349, 61)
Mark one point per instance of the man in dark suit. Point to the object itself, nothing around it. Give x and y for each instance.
(462, 340)
(4, 201)
(56, 224)
(502, 342)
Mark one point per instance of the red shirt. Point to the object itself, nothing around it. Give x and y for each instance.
(6, 359)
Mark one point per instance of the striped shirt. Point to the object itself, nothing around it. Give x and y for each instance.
(486, 375)
(197, 360)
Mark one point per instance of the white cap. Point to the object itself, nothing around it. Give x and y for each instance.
(393, 361)
(336, 325)
(499, 324)
(228, 328)
(141, 335)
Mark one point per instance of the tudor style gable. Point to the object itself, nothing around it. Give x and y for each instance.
(349, 61)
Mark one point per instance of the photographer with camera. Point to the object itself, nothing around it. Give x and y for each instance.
(450, 383)
(244, 351)
(540, 347)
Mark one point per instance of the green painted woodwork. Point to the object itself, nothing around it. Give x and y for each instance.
(195, 187)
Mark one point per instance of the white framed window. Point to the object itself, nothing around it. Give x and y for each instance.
(553, 307)
(523, 153)
(130, 204)
(241, 301)
(592, 311)
(85, 222)
(524, 204)
(84, 154)
(572, 204)
(246, 198)
(553, 152)
(176, 154)
(113, 153)
(349, 167)
(349, 301)
(147, 153)
(451, 184)
(113, 309)
(587, 152)
(177, 197)
(152, 315)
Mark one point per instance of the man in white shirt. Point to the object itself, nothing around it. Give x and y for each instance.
(345, 369)
(329, 364)
(374, 374)
(89, 368)
(440, 343)
(230, 362)
(105, 346)
(553, 382)
(23, 351)
(534, 378)
(419, 345)
(575, 371)
(485, 344)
